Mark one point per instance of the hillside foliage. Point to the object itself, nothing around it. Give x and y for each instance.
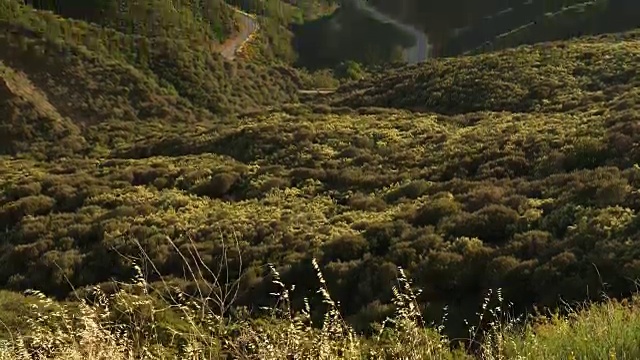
(184, 67)
(128, 150)
(211, 20)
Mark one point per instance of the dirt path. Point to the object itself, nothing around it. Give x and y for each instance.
(317, 91)
(248, 26)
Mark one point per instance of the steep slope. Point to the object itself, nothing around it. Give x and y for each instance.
(415, 54)
(186, 67)
(510, 28)
(276, 19)
(29, 121)
(458, 26)
(204, 20)
(81, 84)
(348, 34)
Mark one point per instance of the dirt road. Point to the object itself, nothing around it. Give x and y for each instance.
(248, 26)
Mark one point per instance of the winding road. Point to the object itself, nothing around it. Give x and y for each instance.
(248, 28)
(420, 51)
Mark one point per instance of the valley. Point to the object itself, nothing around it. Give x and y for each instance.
(413, 55)
(302, 179)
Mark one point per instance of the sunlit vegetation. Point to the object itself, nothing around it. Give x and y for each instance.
(209, 20)
(137, 320)
(577, 76)
(515, 171)
(187, 68)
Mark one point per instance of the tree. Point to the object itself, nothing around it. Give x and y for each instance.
(350, 70)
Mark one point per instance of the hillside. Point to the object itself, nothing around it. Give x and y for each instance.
(188, 68)
(125, 151)
(209, 20)
(457, 27)
(278, 19)
(568, 76)
(347, 35)
(29, 119)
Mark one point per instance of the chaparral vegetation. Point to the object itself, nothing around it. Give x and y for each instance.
(160, 199)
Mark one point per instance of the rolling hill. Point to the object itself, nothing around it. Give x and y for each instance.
(565, 76)
(126, 149)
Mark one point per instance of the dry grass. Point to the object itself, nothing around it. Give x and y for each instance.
(131, 323)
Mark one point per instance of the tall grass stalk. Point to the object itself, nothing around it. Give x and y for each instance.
(138, 321)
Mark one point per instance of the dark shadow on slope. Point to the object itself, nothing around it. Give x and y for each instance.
(348, 34)
(457, 26)
(589, 18)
